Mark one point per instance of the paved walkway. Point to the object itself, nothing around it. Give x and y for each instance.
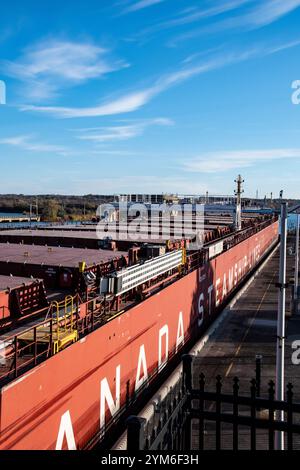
(248, 330)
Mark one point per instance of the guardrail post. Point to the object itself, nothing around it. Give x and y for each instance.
(135, 433)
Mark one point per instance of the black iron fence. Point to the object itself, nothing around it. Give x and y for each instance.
(195, 418)
(167, 428)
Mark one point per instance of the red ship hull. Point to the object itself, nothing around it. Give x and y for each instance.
(65, 400)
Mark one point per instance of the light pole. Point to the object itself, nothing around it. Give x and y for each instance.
(30, 214)
(238, 209)
(279, 387)
(296, 260)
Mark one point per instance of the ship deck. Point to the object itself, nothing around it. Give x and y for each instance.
(12, 282)
(154, 231)
(213, 219)
(55, 256)
(50, 236)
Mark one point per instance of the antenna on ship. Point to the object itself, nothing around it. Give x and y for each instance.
(238, 209)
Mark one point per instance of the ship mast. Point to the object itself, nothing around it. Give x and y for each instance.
(238, 209)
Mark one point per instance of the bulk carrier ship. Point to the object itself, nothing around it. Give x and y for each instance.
(69, 367)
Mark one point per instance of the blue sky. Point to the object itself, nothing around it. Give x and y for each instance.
(117, 96)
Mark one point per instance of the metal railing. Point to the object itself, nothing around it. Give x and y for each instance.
(216, 420)
(167, 428)
(26, 349)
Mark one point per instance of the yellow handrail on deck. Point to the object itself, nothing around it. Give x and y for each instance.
(64, 323)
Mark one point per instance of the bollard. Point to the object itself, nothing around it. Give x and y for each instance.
(135, 433)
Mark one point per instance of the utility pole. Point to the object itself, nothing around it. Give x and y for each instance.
(30, 214)
(279, 387)
(296, 260)
(37, 209)
(238, 209)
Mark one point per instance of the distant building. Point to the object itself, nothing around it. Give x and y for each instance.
(142, 198)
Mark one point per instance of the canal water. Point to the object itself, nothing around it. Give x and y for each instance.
(11, 214)
(292, 220)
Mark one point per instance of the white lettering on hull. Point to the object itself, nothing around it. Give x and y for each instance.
(218, 281)
(142, 363)
(214, 296)
(65, 431)
(221, 290)
(180, 332)
(224, 291)
(200, 309)
(230, 279)
(163, 332)
(106, 397)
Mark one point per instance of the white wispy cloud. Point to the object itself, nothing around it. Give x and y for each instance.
(269, 11)
(125, 104)
(133, 101)
(50, 65)
(259, 15)
(196, 14)
(141, 4)
(28, 142)
(121, 132)
(214, 162)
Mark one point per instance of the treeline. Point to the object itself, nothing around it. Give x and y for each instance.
(54, 207)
